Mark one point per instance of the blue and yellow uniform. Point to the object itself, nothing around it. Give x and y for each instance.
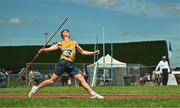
(68, 50)
(67, 57)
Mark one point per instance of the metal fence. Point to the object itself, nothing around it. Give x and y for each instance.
(131, 75)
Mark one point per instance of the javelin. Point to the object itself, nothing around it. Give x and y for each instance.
(29, 65)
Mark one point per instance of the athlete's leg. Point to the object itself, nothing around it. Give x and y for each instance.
(81, 79)
(45, 83)
(93, 94)
(74, 72)
(50, 81)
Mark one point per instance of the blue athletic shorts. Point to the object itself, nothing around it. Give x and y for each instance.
(66, 66)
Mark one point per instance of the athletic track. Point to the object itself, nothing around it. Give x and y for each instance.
(107, 96)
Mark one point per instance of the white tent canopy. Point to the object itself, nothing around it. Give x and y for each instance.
(108, 62)
(105, 62)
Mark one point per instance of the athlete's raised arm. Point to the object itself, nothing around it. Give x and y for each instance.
(84, 52)
(51, 48)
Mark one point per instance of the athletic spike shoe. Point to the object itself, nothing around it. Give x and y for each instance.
(33, 91)
(97, 96)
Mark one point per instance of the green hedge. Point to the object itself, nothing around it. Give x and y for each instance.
(147, 53)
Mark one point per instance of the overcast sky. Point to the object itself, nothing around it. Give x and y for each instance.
(24, 22)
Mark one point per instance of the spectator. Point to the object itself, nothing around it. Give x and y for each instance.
(164, 70)
(31, 77)
(2, 80)
(158, 79)
(142, 80)
(69, 82)
(64, 79)
(147, 78)
(22, 81)
(153, 78)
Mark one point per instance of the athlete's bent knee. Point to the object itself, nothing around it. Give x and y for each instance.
(81, 79)
(51, 81)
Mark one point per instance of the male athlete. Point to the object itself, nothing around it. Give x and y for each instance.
(65, 64)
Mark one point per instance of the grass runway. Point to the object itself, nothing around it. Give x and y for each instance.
(128, 96)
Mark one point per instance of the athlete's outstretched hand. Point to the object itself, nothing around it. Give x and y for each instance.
(97, 52)
(42, 50)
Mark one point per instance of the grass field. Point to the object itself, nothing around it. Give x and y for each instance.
(68, 102)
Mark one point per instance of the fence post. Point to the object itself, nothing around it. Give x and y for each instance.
(8, 80)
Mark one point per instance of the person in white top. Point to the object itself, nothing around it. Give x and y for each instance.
(164, 70)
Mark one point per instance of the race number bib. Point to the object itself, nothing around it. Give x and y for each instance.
(68, 52)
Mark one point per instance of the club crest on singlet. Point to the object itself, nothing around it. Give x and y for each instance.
(67, 52)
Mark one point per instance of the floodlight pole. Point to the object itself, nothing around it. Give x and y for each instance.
(103, 53)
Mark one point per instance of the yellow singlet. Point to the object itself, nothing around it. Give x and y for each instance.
(68, 50)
